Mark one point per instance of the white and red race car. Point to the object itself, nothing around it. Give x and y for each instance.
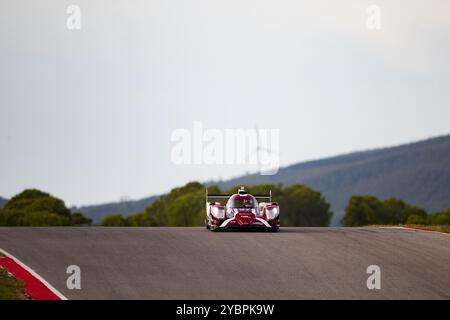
(242, 211)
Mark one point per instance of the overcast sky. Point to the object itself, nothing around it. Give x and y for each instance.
(88, 114)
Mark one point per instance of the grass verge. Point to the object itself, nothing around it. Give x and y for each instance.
(445, 229)
(11, 288)
(441, 228)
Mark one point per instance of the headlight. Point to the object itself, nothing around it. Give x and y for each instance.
(272, 213)
(219, 213)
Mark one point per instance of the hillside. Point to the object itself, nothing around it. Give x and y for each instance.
(3, 201)
(418, 173)
(98, 212)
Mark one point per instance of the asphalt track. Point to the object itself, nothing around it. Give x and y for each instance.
(193, 263)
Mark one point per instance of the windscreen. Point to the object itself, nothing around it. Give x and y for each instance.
(244, 202)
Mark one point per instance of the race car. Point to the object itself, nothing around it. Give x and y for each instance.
(242, 211)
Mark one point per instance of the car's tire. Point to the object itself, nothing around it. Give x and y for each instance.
(213, 228)
(207, 224)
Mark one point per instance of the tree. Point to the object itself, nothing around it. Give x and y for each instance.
(440, 218)
(391, 212)
(114, 220)
(79, 219)
(187, 210)
(416, 214)
(303, 207)
(362, 210)
(139, 219)
(182, 206)
(366, 210)
(33, 207)
(32, 200)
(416, 219)
(396, 211)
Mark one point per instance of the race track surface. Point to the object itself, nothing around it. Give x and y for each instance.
(193, 263)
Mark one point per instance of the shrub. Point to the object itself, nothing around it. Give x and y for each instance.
(114, 220)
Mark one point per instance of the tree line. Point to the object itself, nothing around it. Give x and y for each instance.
(185, 206)
(365, 210)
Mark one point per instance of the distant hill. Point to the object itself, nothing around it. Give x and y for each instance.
(98, 212)
(3, 201)
(418, 173)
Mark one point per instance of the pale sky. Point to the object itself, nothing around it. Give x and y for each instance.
(87, 115)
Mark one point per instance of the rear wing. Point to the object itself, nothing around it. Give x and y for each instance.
(226, 196)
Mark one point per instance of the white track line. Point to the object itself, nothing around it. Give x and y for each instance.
(414, 229)
(34, 274)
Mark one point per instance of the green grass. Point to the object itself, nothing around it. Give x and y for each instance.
(11, 288)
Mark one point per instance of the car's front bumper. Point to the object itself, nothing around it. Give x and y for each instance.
(258, 224)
